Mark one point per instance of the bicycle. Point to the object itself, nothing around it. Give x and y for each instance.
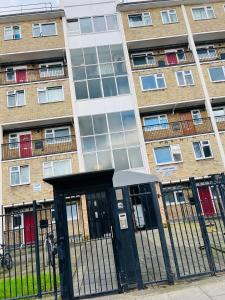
(5, 259)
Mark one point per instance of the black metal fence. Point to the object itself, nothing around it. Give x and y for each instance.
(26, 261)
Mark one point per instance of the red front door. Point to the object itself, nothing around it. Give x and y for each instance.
(28, 227)
(187, 124)
(25, 145)
(206, 201)
(21, 75)
(172, 58)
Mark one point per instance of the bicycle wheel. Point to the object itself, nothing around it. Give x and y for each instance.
(50, 254)
(8, 261)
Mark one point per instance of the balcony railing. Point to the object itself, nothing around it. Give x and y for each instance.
(220, 121)
(32, 148)
(177, 129)
(162, 59)
(19, 76)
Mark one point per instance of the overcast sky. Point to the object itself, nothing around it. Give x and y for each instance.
(20, 2)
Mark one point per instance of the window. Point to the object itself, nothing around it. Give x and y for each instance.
(57, 135)
(92, 24)
(156, 122)
(184, 78)
(203, 13)
(57, 168)
(19, 175)
(168, 154)
(174, 197)
(47, 29)
(17, 221)
(175, 57)
(12, 32)
(207, 52)
(217, 74)
(13, 141)
(16, 98)
(142, 59)
(99, 72)
(110, 140)
(153, 82)
(169, 16)
(196, 116)
(72, 211)
(142, 19)
(219, 114)
(51, 70)
(202, 150)
(50, 94)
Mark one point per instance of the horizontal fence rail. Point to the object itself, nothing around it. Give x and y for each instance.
(159, 59)
(23, 8)
(32, 148)
(178, 129)
(32, 75)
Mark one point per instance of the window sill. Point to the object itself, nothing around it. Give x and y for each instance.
(16, 106)
(200, 159)
(50, 102)
(152, 90)
(170, 23)
(140, 26)
(170, 163)
(44, 36)
(21, 184)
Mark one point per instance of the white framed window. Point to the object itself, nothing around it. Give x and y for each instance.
(202, 150)
(16, 98)
(168, 154)
(50, 94)
(72, 211)
(184, 78)
(203, 13)
(44, 29)
(57, 135)
(206, 52)
(19, 175)
(196, 116)
(51, 69)
(153, 82)
(13, 141)
(219, 114)
(217, 74)
(57, 168)
(140, 19)
(175, 56)
(141, 59)
(12, 33)
(174, 197)
(169, 16)
(156, 122)
(17, 221)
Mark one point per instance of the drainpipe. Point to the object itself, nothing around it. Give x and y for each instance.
(1, 190)
(204, 86)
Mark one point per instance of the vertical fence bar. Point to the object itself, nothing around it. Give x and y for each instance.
(38, 271)
(202, 224)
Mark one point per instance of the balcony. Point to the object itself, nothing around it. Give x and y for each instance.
(33, 148)
(20, 76)
(177, 129)
(151, 60)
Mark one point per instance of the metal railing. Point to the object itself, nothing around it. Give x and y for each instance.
(40, 147)
(177, 129)
(24, 8)
(159, 59)
(19, 76)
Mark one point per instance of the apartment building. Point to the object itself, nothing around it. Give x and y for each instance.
(36, 116)
(176, 51)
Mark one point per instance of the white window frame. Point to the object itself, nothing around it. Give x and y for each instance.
(47, 98)
(222, 119)
(77, 210)
(183, 74)
(202, 152)
(22, 221)
(168, 13)
(18, 134)
(207, 47)
(145, 54)
(19, 167)
(205, 8)
(175, 202)
(222, 80)
(155, 77)
(15, 69)
(157, 116)
(11, 27)
(47, 67)
(175, 52)
(15, 92)
(54, 141)
(199, 121)
(141, 13)
(40, 27)
(52, 165)
(172, 155)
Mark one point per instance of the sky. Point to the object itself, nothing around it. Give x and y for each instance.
(22, 2)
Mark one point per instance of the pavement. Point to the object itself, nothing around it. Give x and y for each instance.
(210, 288)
